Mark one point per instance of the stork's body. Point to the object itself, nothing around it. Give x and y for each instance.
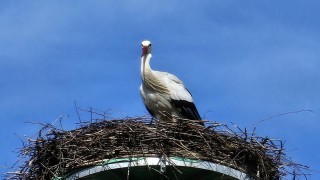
(163, 92)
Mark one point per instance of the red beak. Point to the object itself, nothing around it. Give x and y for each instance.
(144, 50)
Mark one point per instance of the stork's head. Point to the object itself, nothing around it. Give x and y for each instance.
(146, 47)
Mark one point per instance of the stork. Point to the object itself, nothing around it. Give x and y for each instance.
(163, 92)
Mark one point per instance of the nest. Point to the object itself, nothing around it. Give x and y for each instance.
(56, 152)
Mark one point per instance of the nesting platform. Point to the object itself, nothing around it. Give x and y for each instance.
(157, 169)
(136, 147)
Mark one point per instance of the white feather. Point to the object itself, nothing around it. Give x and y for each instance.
(177, 90)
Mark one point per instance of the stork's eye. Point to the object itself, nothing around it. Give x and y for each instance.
(149, 45)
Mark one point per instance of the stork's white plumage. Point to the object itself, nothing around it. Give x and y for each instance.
(163, 92)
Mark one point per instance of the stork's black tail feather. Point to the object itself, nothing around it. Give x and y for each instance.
(187, 110)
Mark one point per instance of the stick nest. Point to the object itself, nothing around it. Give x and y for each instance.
(56, 152)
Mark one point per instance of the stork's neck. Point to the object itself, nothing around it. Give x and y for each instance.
(149, 77)
(145, 65)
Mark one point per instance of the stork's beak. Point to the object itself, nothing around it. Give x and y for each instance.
(144, 50)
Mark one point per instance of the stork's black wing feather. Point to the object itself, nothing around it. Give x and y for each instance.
(187, 109)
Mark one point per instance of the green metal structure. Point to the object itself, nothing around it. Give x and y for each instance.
(156, 168)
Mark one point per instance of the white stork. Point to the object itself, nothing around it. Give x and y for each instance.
(163, 92)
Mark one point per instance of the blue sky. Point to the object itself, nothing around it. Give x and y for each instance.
(242, 60)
